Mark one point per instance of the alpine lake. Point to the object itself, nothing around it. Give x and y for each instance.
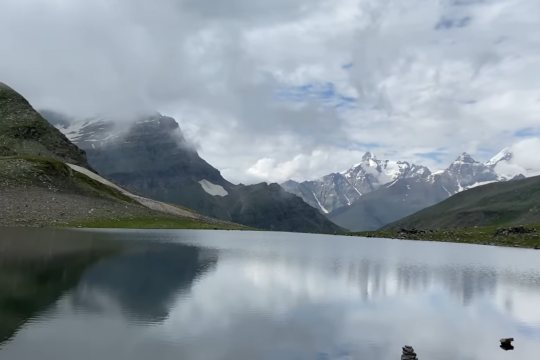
(196, 294)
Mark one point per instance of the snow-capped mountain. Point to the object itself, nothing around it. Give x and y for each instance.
(376, 192)
(464, 173)
(343, 189)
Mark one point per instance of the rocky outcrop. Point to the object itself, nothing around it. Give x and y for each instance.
(408, 353)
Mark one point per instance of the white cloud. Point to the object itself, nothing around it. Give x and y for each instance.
(467, 85)
(526, 156)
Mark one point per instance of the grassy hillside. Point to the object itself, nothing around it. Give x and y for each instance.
(499, 204)
(43, 192)
(24, 132)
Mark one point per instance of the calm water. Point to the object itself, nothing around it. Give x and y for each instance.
(255, 295)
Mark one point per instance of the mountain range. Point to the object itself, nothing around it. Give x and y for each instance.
(151, 157)
(376, 192)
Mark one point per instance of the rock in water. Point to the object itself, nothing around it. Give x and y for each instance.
(408, 353)
(506, 344)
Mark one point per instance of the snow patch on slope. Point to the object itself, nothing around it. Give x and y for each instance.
(213, 189)
(319, 203)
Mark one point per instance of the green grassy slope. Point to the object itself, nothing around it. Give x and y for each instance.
(24, 132)
(40, 191)
(28, 171)
(499, 204)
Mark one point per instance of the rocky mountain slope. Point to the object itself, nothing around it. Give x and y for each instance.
(510, 203)
(46, 180)
(152, 158)
(385, 191)
(337, 190)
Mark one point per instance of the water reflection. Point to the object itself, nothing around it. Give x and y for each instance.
(144, 282)
(228, 295)
(36, 268)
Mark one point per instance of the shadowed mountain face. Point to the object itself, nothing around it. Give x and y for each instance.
(515, 202)
(23, 132)
(152, 158)
(387, 204)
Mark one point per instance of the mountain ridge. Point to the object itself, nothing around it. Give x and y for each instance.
(405, 188)
(152, 158)
(24, 132)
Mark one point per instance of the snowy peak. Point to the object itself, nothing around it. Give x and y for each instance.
(343, 189)
(367, 157)
(464, 173)
(504, 155)
(398, 188)
(465, 158)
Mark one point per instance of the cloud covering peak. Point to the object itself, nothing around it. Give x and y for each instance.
(289, 88)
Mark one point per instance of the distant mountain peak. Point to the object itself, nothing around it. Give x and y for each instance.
(465, 158)
(343, 189)
(368, 156)
(158, 121)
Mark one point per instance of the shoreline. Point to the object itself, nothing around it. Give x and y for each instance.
(488, 236)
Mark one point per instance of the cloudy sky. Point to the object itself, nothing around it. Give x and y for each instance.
(270, 90)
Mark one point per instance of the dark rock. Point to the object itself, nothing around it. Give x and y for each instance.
(408, 353)
(516, 230)
(506, 344)
(412, 231)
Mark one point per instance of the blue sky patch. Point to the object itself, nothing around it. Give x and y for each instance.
(325, 93)
(437, 155)
(530, 131)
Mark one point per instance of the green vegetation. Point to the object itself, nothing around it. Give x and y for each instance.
(508, 203)
(157, 222)
(24, 132)
(485, 235)
(51, 173)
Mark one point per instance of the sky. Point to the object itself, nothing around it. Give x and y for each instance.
(273, 90)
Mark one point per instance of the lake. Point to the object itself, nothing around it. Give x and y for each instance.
(117, 294)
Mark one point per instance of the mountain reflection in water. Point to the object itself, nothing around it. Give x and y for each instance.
(143, 283)
(256, 295)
